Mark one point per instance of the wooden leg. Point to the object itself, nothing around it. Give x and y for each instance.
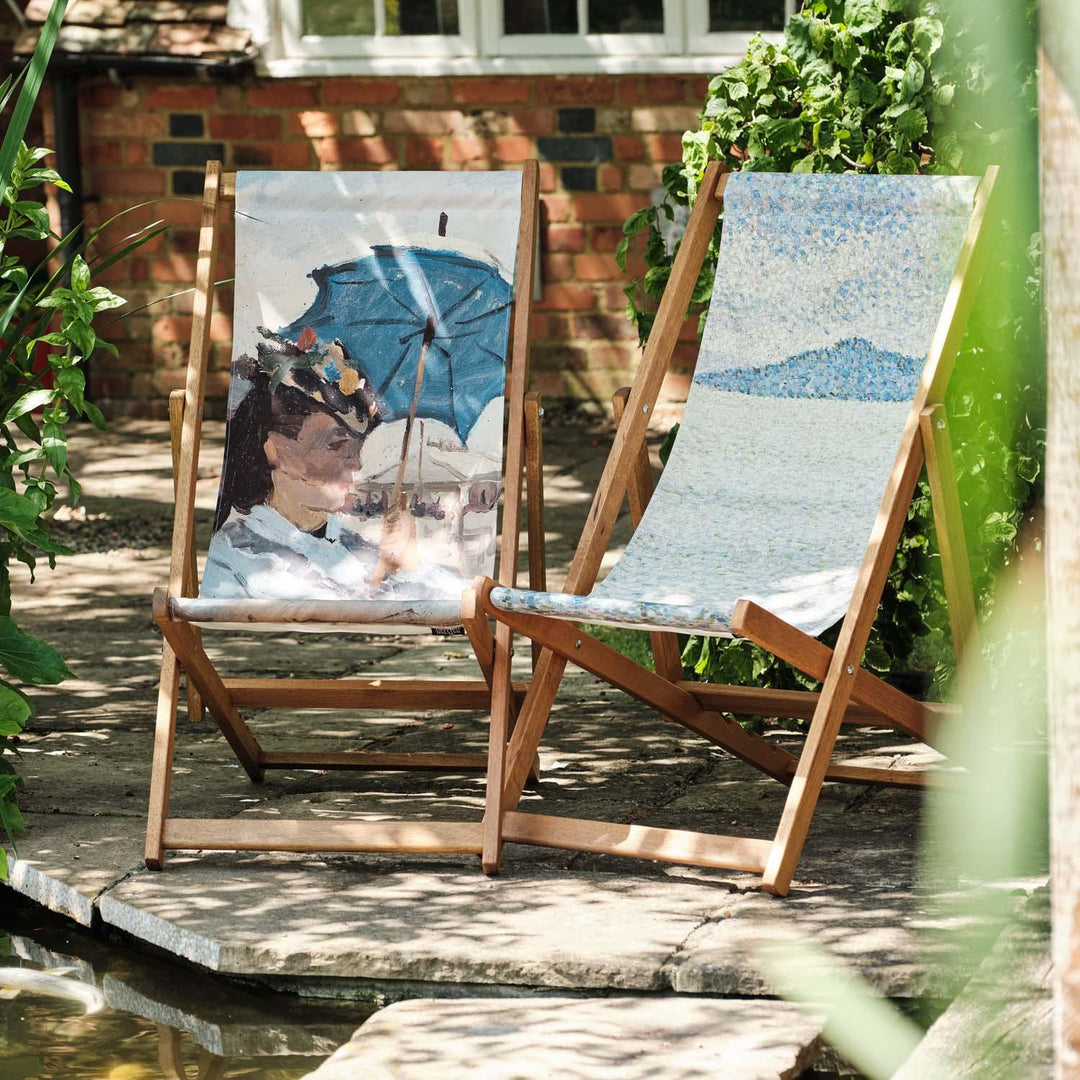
(191, 575)
(497, 738)
(639, 488)
(199, 670)
(170, 1059)
(161, 770)
(534, 501)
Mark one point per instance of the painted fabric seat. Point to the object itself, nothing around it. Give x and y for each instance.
(827, 295)
(363, 457)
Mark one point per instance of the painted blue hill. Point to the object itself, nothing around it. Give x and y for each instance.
(850, 370)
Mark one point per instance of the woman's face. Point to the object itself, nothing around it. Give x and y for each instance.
(322, 458)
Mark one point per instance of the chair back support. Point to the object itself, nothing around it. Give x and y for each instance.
(363, 455)
(827, 295)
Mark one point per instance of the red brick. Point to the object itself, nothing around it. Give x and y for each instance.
(513, 148)
(120, 123)
(555, 207)
(360, 91)
(610, 178)
(611, 298)
(142, 385)
(357, 122)
(605, 237)
(664, 148)
(469, 149)
(187, 98)
(684, 356)
(109, 385)
(529, 121)
(282, 94)
(548, 326)
(606, 326)
(424, 121)
(668, 118)
(173, 268)
(698, 88)
(241, 126)
(596, 268)
(314, 124)
(663, 90)
(136, 153)
(555, 268)
(102, 96)
(549, 178)
(628, 147)
(568, 298)
(101, 152)
(425, 91)
(421, 151)
(488, 91)
(559, 356)
(564, 238)
(137, 182)
(374, 151)
(628, 91)
(607, 207)
(575, 91)
(688, 330)
(644, 177)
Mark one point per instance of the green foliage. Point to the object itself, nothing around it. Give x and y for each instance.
(45, 311)
(894, 86)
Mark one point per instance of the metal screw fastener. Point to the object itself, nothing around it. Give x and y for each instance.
(645, 408)
(850, 669)
(577, 644)
(940, 425)
(541, 412)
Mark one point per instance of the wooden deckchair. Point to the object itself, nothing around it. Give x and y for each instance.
(740, 420)
(435, 300)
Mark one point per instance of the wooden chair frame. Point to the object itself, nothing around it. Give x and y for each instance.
(849, 692)
(225, 697)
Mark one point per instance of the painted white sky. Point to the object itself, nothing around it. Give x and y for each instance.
(289, 224)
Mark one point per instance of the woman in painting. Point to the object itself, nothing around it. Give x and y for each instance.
(290, 460)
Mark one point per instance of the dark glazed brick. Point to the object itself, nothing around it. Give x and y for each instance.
(583, 148)
(187, 153)
(186, 126)
(187, 183)
(579, 178)
(577, 121)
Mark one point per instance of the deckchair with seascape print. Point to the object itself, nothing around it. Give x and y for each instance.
(838, 307)
(372, 366)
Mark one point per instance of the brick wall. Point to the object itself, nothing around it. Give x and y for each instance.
(602, 142)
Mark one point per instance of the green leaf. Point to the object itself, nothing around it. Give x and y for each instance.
(863, 16)
(72, 384)
(911, 124)
(15, 710)
(637, 221)
(54, 443)
(28, 658)
(35, 399)
(914, 77)
(80, 274)
(899, 164)
(95, 415)
(927, 35)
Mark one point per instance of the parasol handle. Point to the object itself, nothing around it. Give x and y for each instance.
(429, 336)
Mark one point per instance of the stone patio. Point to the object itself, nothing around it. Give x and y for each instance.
(400, 926)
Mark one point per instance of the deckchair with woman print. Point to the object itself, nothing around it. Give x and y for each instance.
(838, 308)
(372, 365)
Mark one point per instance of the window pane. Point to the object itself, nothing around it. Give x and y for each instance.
(746, 15)
(421, 17)
(626, 16)
(540, 16)
(337, 18)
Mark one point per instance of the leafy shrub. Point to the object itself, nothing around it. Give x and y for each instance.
(894, 86)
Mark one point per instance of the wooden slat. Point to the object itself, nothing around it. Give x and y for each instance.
(665, 647)
(195, 389)
(855, 631)
(567, 640)
(362, 693)
(199, 670)
(330, 612)
(363, 759)
(637, 841)
(612, 487)
(800, 704)
(161, 768)
(813, 658)
(949, 522)
(228, 187)
(905, 778)
(234, 834)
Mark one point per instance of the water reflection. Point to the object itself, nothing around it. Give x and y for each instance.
(159, 1020)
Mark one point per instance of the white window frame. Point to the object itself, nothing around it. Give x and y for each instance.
(481, 47)
(727, 41)
(294, 42)
(498, 43)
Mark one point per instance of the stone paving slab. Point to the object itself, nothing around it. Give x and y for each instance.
(632, 1038)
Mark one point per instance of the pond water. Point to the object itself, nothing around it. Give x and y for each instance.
(157, 1019)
